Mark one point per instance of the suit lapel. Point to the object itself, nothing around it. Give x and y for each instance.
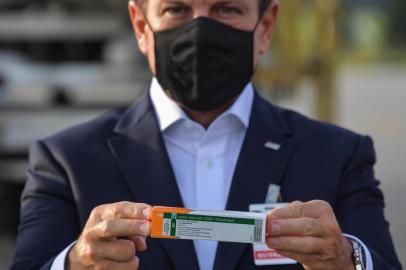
(142, 157)
(257, 167)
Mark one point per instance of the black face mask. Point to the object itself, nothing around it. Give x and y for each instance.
(204, 64)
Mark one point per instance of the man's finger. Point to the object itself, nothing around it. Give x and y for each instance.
(139, 242)
(113, 228)
(312, 209)
(296, 202)
(125, 210)
(296, 244)
(114, 250)
(298, 226)
(299, 257)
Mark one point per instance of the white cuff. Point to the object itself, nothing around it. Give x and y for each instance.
(59, 262)
(369, 264)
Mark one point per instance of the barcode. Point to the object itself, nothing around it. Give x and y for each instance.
(258, 231)
(166, 231)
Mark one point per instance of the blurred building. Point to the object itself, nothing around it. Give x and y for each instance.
(64, 62)
(61, 63)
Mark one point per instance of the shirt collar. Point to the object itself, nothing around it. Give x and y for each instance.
(168, 112)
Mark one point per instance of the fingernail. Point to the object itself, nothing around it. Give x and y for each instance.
(275, 228)
(146, 212)
(144, 228)
(144, 241)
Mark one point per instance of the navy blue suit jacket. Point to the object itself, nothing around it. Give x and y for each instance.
(121, 157)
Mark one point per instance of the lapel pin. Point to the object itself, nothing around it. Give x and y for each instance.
(273, 146)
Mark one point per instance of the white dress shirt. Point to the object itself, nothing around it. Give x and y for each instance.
(203, 160)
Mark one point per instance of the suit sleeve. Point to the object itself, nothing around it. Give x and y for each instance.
(48, 218)
(360, 207)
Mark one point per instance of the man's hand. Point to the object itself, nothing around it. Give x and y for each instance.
(112, 236)
(309, 233)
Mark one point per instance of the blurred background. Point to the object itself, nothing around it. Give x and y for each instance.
(65, 62)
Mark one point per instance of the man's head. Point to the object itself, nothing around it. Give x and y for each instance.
(149, 16)
(262, 5)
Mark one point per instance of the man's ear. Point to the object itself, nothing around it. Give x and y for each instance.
(267, 26)
(139, 24)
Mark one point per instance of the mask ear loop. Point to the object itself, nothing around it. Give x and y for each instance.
(257, 23)
(145, 18)
(260, 19)
(149, 25)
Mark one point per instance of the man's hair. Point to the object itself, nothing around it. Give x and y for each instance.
(263, 5)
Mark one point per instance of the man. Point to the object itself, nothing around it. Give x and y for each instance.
(201, 138)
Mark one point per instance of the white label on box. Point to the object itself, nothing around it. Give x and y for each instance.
(241, 227)
(262, 254)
